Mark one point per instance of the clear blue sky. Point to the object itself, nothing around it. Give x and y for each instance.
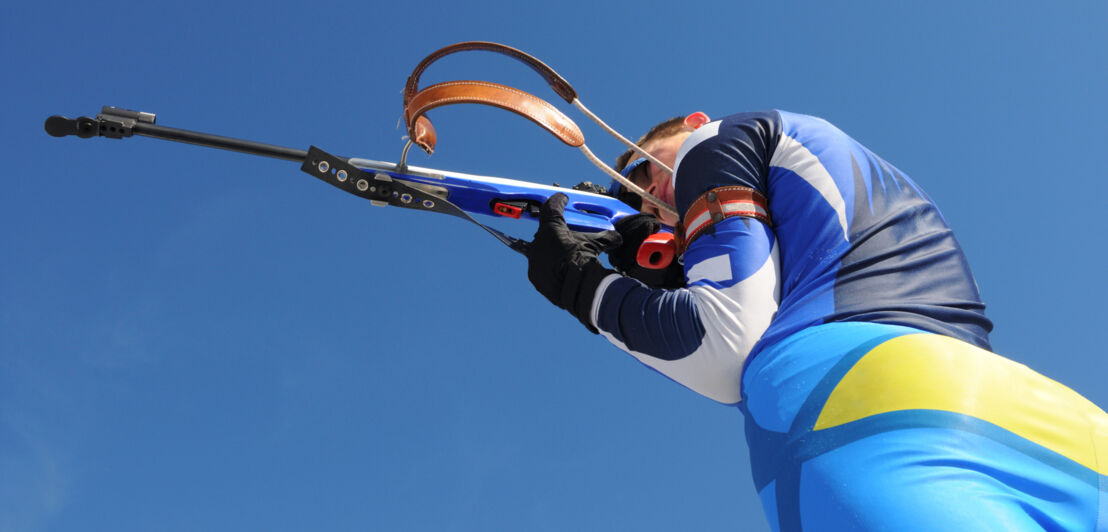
(201, 340)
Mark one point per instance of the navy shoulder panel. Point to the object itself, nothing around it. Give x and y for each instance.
(733, 151)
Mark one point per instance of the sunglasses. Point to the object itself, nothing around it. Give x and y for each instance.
(636, 172)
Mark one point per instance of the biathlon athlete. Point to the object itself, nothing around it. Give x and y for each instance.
(823, 294)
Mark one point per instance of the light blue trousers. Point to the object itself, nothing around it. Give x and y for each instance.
(859, 426)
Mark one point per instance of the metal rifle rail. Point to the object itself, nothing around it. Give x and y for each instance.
(382, 183)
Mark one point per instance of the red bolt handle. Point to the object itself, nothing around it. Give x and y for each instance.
(657, 251)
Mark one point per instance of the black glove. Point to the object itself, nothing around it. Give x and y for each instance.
(562, 264)
(634, 229)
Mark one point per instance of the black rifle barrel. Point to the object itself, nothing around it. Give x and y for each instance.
(217, 141)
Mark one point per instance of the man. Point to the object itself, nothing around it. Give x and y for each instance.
(825, 296)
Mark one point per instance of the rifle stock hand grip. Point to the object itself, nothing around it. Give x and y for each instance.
(657, 251)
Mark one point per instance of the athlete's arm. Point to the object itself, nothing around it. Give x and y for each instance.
(700, 335)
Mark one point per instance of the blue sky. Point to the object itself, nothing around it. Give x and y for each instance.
(193, 339)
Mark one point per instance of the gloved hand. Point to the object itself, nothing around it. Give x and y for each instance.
(634, 229)
(562, 264)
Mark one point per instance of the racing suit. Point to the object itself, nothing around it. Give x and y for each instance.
(850, 332)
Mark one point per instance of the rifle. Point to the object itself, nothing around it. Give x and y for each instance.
(457, 194)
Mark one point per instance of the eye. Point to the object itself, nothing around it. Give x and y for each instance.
(641, 175)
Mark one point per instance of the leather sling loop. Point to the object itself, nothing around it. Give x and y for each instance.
(417, 102)
(556, 82)
(493, 94)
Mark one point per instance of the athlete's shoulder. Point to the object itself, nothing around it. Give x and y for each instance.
(734, 150)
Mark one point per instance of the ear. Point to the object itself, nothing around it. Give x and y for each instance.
(697, 119)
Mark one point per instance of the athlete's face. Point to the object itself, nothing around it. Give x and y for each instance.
(661, 182)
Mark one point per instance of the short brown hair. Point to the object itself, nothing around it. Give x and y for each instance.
(670, 127)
